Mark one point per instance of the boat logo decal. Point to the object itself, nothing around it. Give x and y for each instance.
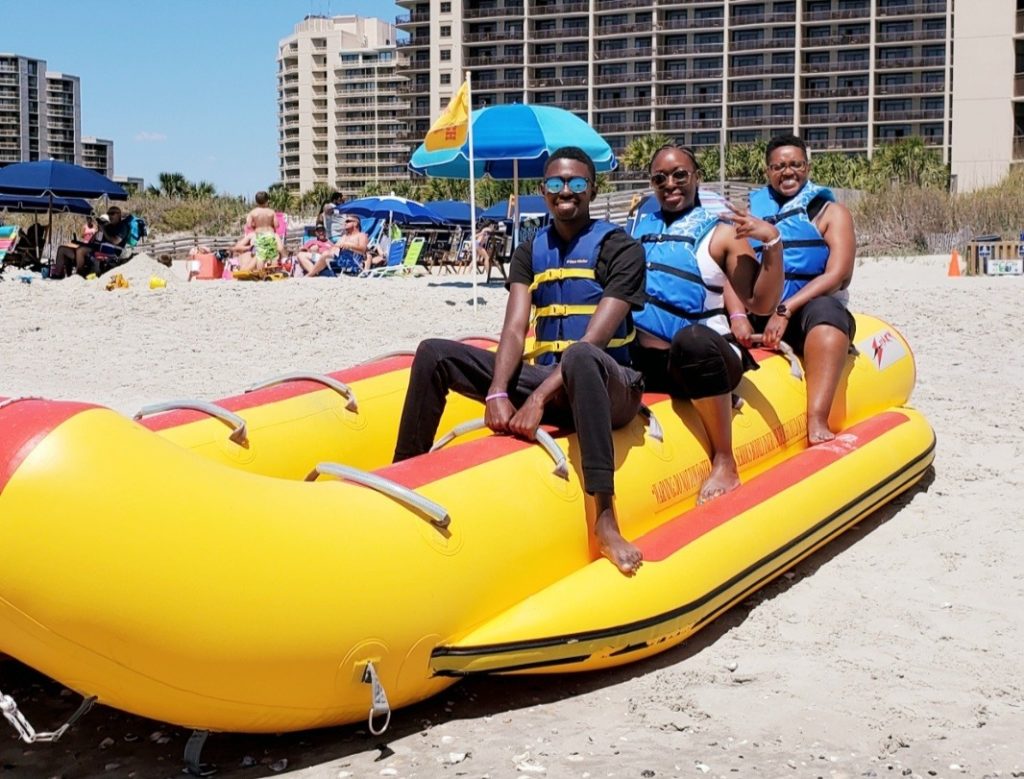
(884, 348)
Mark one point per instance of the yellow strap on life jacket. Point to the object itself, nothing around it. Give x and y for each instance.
(557, 274)
(547, 347)
(560, 309)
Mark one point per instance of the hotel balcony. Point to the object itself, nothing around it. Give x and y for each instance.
(565, 56)
(756, 70)
(614, 5)
(904, 36)
(857, 117)
(678, 125)
(1018, 85)
(623, 29)
(742, 20)
(910, 62)
(693, 24)
(909, 89)
(829, 92)
(919, 115)
(487, 61)
(759, 44)
(764, 95)
(563, 9)
(1018, 148)
(675, 49)
(918, 9)
(714, 98)
(623, 127)
(835, 67)
(839, 144)
(489, 13)
(832, 41)
(510, 36)
(838, 14)
(562, 33)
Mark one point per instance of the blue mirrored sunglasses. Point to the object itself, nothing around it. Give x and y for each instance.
(555, 184)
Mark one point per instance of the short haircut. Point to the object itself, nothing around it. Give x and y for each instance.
(113, 210)
(785, 140)
(572, 153)
(337, 196)
(262, 198)
(683, 149)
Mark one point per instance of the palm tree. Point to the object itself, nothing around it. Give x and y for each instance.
(709, 161)
(640, 151)
(908, 161)
(173, 185)
(202, 190)
(314, 199)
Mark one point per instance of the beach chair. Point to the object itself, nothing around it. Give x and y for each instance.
(347, 263)
(8, 241)
(412, 257)
(396, 255)
(109, 255)
(26, 250)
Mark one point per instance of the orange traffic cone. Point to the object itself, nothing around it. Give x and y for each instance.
(954, 263)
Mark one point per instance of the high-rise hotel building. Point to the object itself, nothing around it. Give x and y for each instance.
(844, 74)
(40, 112)
(340, 110)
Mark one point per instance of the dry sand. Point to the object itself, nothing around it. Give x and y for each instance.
(896, 651)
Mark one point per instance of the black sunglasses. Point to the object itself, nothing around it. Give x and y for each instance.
(679, 176)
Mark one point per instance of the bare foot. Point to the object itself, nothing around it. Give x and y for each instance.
(818, 432)
(626, 556)
(724, 478)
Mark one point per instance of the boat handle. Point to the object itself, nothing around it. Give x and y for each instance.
(338, 386)
(379, 706)
(543, 438)
(654, 429)
(238, 432)
(389, 355)
(437, 514)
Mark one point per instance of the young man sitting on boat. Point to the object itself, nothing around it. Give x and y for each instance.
(580, 376)
(818, 236)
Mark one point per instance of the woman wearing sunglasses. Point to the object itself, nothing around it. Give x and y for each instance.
(684, 346)
(820, 247)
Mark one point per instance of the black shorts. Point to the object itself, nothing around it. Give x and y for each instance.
(824, 310)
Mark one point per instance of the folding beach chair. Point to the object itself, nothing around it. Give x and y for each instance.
(8, 241)
(396, 254)
(347, 263)
(412, 257)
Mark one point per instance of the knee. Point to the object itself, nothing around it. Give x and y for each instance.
(579, 357)
(696, 342)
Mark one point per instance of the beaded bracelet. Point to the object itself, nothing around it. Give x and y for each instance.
(495, 396)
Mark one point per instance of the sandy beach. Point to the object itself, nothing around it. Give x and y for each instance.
(895, 651)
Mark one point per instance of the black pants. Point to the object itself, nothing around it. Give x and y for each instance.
(599, 396)
(700, 363)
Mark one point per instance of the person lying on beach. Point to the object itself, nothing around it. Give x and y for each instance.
(684, 346)
(315, 255)
(581, 377)
(820, 245)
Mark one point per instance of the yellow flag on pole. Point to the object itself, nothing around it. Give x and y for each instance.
(449, 131)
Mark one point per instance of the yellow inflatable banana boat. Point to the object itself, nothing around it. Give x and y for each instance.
(193, 574)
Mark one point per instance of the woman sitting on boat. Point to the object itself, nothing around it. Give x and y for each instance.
(684, 346)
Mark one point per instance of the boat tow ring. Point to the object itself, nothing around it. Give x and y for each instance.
(379, 706)
(28, 734)
(338, 386)
(543, 438)
(238, 432)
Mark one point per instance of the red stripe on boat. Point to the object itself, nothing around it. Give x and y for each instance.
(663, 541)
(24, 424)
(289, 389)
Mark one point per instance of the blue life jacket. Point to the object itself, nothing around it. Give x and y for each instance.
(804, 251)
(677, 294)
(566, 293)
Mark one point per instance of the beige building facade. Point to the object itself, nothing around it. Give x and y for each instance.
(340, 105)
(988, 97)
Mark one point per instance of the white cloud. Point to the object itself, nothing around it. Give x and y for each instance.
(147, 137)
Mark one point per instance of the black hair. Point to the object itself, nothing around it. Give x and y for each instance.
(684, 149)
(573, 153)
(784, 140)
(335, 196)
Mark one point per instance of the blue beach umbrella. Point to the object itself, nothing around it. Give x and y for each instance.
(29, 204)
(514, 141)
(450, 211)
(395, 209)
(50, 178)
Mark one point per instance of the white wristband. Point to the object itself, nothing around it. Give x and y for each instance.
(773, 242)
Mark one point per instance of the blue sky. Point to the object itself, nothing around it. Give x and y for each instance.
(186, 86)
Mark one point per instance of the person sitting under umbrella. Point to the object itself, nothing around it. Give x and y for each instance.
(112, 233)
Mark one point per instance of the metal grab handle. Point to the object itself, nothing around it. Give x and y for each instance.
(437, 513)
(786, 351)
(654, 429)
(28, 734)
(338, 386)
(547, 443)
(238, 433)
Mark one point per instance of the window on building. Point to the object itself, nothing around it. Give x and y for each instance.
(446, 8)
(446, 31)
(446, 55)
(446, 78)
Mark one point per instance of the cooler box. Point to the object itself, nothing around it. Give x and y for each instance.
(209, 267)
